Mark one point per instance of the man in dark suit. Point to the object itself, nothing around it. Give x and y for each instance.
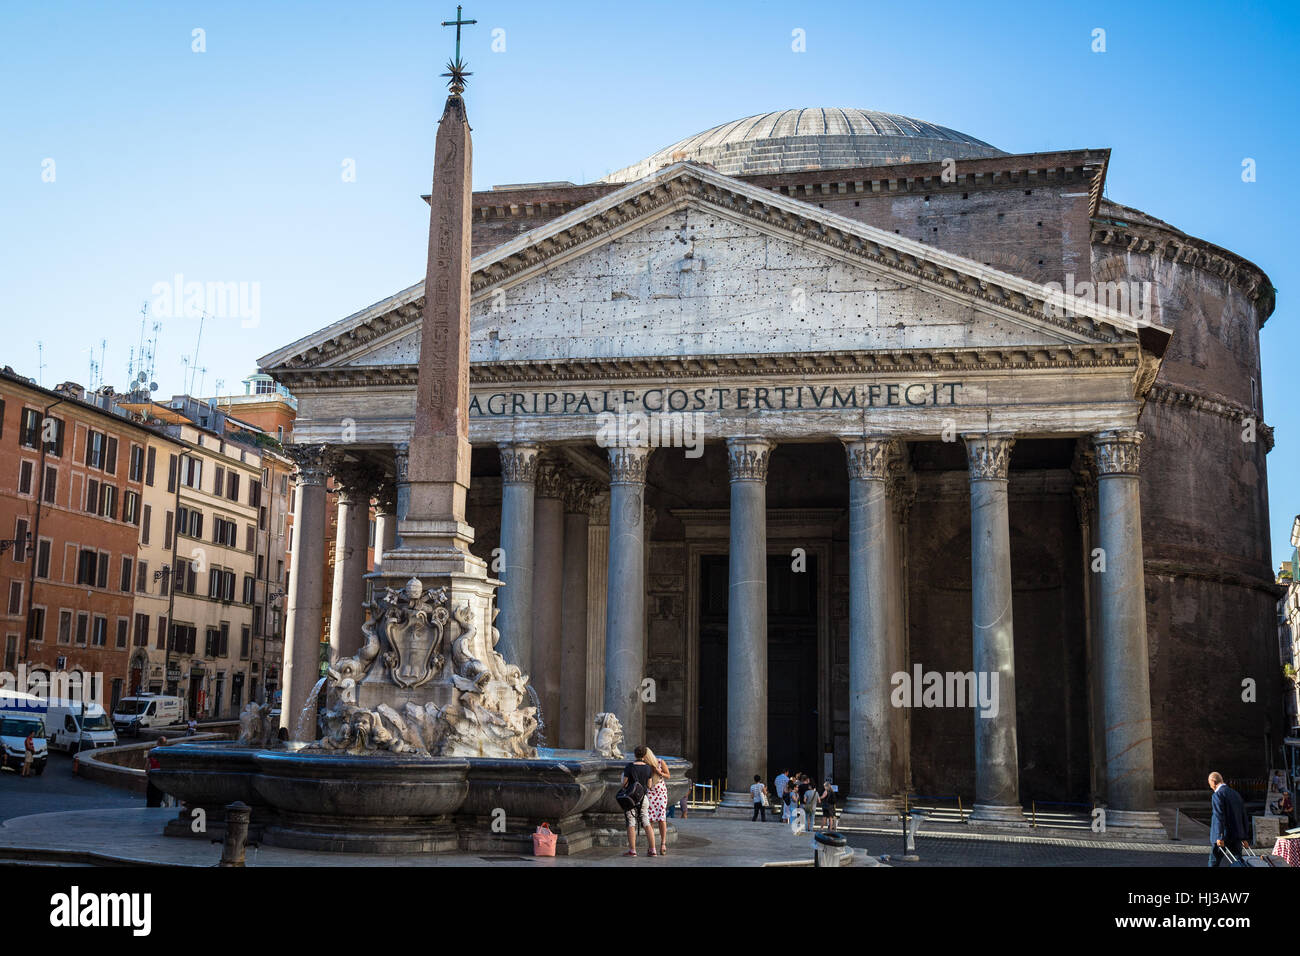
(1227, 821)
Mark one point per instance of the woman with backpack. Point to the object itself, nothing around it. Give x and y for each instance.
(632, 798)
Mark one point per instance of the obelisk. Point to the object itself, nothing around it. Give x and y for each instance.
(435, 537)
(434, 529)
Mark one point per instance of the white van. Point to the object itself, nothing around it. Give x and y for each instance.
(75, 726)
(147, 712)
(20, 715)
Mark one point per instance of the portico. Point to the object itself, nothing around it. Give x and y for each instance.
(693, 367)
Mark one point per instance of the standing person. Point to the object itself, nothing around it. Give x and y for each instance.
(1227, 821)
(759, 792)
(828, 806)
(787, 800)
(809, 802)
(657, 797)
(153, 796)
(779, 790)
(29, 753)
(636, 782)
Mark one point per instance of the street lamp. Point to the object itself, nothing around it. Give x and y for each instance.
(25, 541)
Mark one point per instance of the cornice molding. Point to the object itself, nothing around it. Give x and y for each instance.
(1176, 397)
(847, 363)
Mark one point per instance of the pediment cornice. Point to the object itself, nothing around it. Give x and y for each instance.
(944, 273)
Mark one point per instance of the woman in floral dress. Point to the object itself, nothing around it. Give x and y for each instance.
(657, 796)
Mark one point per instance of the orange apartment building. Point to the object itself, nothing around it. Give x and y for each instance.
(73, 479)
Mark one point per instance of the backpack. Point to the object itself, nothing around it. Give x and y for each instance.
(630, 797)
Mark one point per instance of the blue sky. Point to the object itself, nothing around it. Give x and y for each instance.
(227, 165)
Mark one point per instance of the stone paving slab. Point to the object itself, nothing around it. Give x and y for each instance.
(134, 836)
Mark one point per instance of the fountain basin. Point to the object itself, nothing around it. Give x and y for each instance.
(393, 803)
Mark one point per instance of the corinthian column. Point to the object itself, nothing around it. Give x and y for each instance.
(747, 460)
(306, 592)
(515, 598)
(573, 624)
(625, 608)
(548, 583)
(873, 722)
(997, 764)
(385, 521)
(347, 611)
(1122, 627)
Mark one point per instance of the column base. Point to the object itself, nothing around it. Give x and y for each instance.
(1134, 820)
(983, 814)
(869, 809)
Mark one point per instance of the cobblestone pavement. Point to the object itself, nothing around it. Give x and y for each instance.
(969, 850)
(58, 788)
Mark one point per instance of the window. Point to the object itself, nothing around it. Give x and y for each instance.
(122, 626)
(248, 589)
(128, 565)
(167, 530)
(94, 449)
(250, 538)
(54, 436)
(225, 639)
(171, 474)
(144, 524)
(141, 636)
(219, 481)
(142, 577)
(83, 626)
(20, 540)
(36, 624)
(11, 640)
(65, 627)
(110, 456)
(43, 558)
(25, 473)
(99, 636)
(108, 502)
(183, 637)
(101, 579)
(150, 460)
(162, 633)
(131, 507)
(243, 642)
(192, 472)
(257, 620)
(29, 428)
(225, 532)
(261, 517)
(50, 482)
(136, 470)
(92, 496)
(232, 486)
(255, 492)
(86, 562)
(15, 598)
(214, 582)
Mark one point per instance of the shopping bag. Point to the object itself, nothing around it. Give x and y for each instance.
(544, 841)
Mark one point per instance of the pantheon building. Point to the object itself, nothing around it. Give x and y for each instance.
(837, 441)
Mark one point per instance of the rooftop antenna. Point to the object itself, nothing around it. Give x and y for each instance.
(198, 342)
(40, 363)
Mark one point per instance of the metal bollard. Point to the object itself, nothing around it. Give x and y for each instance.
(232, 849)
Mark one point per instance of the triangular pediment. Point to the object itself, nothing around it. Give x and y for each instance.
(689, 262)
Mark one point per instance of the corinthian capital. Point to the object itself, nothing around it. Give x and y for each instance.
(988, 455)
(1118, 451)
(868, 457)
(519, 462)
(312, 461)
(355, 481)
(551, 478)
(627, 465)
(747, 458)
(579, 496)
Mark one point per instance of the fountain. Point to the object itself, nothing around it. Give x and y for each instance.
(422, 740)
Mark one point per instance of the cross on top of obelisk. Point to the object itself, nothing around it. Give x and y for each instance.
(456, 67)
